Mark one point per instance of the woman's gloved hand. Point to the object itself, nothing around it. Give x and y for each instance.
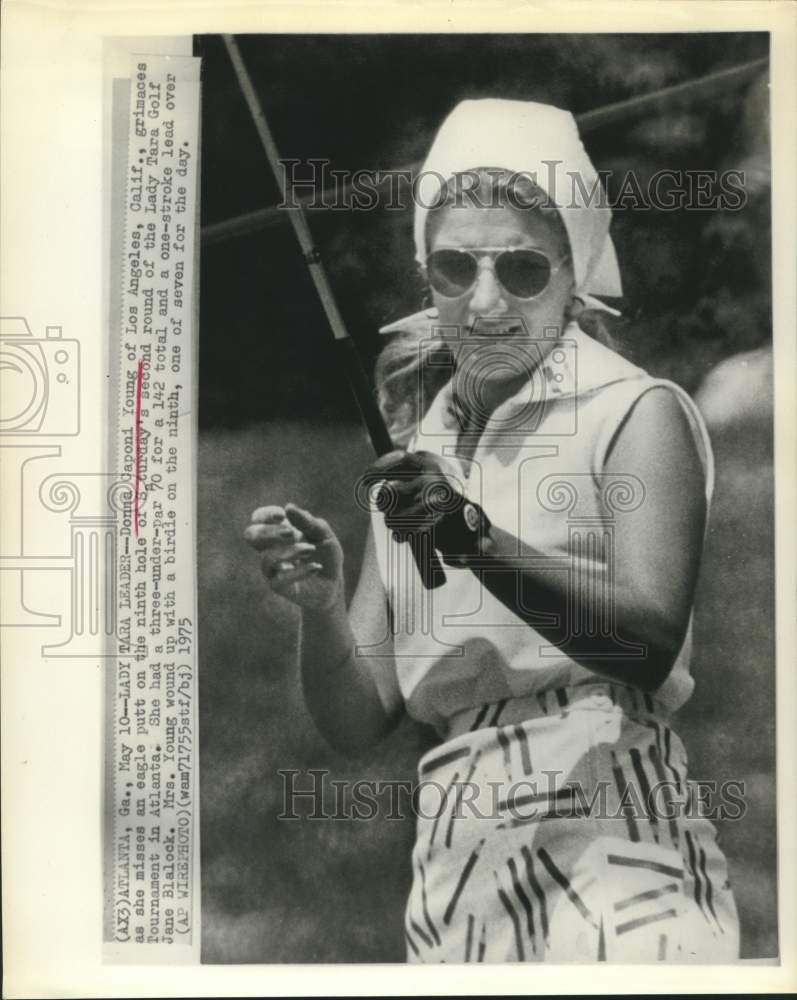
(422, 493)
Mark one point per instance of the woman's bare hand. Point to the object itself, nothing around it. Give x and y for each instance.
(301, 556)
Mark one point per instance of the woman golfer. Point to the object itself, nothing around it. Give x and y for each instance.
(566, 493)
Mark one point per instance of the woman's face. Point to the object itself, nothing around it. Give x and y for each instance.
(487, 312)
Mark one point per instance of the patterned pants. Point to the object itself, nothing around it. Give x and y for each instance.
(553, 829)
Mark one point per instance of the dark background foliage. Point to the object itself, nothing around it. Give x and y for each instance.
(373, 102)
(277, 423)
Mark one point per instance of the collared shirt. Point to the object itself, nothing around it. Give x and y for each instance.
(538, 472)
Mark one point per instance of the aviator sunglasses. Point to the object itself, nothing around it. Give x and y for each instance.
(523, 272)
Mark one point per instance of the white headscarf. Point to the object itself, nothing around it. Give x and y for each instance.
(537, 140)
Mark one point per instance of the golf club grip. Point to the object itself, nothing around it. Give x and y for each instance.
(426, 559)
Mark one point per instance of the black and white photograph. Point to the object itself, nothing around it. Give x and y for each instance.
(397, 551)
(485, 499)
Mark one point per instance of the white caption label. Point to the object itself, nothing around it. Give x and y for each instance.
(151, 746)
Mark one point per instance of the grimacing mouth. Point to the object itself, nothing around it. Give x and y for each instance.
(491, 327)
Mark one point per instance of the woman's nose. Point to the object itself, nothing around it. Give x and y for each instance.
(487, 295)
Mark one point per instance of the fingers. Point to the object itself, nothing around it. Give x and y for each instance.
(271, 563)
(409, 462)
(394, 460)
(418, 518)
(410, 477)
(396, 493)
(284, 574)
(279, 560)
(269, 526)
(287, 572)
(405, 463)
(263, 536)
(422, 499)
(413, 485)
(268, 515)
(314, 529)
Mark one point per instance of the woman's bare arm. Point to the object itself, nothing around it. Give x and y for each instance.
(656, 555)
(353, 696)
(351, 693)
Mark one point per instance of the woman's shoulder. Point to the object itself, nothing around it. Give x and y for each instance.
(595, 365)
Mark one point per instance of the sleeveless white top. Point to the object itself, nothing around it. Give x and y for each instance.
(538, 473)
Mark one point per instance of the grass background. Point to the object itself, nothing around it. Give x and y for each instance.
(305, 891)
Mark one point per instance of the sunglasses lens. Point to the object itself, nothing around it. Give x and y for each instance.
(451, 272)
(523, 273)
